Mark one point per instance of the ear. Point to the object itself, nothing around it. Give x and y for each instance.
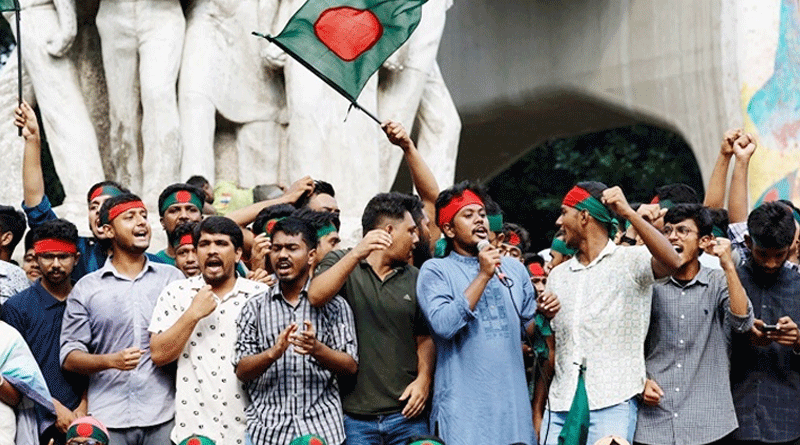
(238, 254)
(704, 241)
(108, 230)
(584, 217)
(312, 256)
(6, 238)
(389, 228)
(448, 231)
(161, 220)
(498, 240)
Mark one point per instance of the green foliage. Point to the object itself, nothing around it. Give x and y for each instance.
(637, 158)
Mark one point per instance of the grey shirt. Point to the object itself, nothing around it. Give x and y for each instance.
(106, 313)
(687, 353)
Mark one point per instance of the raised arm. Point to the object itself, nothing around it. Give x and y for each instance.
(743, 149)
(32, 177)
(247, 215)
(166, 346)
(715, 194)
(721, 248)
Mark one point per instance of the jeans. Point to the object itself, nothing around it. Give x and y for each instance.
(148, 435)
(619, 420)
(389, 429)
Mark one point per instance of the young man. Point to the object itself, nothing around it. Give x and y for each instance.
(606, 292)
(480, 393)
(182, 240)
(289, 352)
(12, 278)
(385, 401)
(104, 333)
(29, 264)
(178, 204)
(194, 322)
(326, 225)
(37, 313)
(687, 397)
(516, 241)
(765, 378)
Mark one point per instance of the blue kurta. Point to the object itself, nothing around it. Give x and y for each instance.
(480, 395)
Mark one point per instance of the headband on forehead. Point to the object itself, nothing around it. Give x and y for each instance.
(536, 270)
(583, 200)
(561, 247)
(513, 238)
(121, 208)
(495, 222)
(448, 212)
(308, 439)
(54, 245)
(185, 239)
(105, 190)
(181, 197)
(330, 228)
(87, 427)
(197, 440)
(270, 225)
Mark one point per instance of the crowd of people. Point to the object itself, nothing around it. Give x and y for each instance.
(676, 316)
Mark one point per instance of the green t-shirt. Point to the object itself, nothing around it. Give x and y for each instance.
(388, 319)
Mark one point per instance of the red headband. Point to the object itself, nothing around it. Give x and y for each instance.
(448, 212)
(536, 270)
(54, 245)
(122, 208)
(575, 196)
(514, 239)
(186, 239)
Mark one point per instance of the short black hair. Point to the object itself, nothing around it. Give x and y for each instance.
(59, 229)
(12, 220)
(677, 193)
(320, 188)
(114, 184)
(318, 220)
(220, 225)
(113, 201)
(29, 240)
(172, 188)
(771, 225)
(696, 212)
(197, 181)
(293, 225)
(268, 213)
(392, 205)
(447, 195)
(524, 236)
(182, 229)
(530, 257)
(417, 209)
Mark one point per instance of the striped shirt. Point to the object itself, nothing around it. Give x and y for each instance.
(686, 353)
(295, 395)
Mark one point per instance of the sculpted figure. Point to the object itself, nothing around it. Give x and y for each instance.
(142, 42)
(413, 88)
(221, 72)
(49, 28)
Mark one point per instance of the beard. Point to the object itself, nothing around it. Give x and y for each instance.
(422, 251)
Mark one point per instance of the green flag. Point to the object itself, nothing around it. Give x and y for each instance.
(576, 426)
(9, 5)
(345, 41)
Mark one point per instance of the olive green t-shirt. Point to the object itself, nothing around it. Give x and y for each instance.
(388, 319)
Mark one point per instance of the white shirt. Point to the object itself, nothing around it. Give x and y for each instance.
(605, 312)
(209, 399)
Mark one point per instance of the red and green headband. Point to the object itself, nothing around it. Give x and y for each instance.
(448, 212)
(185, 239)
(181, 197)
(583, 200)
(536, 270)
(270, 225)
(308, 439)
(87, 430)
(105, 190)
(121, 208)
(513, 239)
(197, 440)
(54, 245)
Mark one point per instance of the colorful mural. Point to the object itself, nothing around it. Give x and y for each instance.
(773, 113)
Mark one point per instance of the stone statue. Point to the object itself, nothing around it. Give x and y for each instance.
(49, 28)
(142, 42)
(222, 72)
(413, 87)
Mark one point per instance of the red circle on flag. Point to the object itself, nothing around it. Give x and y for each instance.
(193, 442)
(183, 196)
(348, 32)
(314, 441)
(772, 195)
(84, 430)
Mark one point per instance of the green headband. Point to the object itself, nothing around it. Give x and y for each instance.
(181, 197)
(197, 440)
(495, 222)
(600, 213)
(308, 439)
(561, 247)
(330, 228)
(86, 430)
(718, 232)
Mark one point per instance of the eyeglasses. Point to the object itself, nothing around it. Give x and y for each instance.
(682, 231)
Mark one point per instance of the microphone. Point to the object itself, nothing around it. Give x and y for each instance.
(504, 280)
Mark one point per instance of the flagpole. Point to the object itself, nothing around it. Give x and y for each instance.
(19, 60)
(320, 75)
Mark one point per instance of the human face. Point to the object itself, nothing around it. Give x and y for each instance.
(511, 250)
(56, 267)
(290, 257)
(94, 216)
(217, 257)
(186, 260)
(327, 243)
(323, 202)
(30, 266)
(130, 231)
(468, 227)
(684, 238)
(767, 260)
(570, 222)
(539, 284)
(404, 238)
(209, 193)
(179, 213)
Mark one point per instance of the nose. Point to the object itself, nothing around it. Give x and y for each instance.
(558, 221)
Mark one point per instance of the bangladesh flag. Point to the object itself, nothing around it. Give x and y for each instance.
(345, 41)
(779, 190)
(576, 426)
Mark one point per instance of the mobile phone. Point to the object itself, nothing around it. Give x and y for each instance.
(769, 327)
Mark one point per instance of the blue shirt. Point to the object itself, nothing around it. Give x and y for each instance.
(37, 315)
(93, 251)
(107, 312)
(480, 395)
(765, 381)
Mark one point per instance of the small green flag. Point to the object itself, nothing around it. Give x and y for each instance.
(576, 426)
(346, 41)
(9, 5)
